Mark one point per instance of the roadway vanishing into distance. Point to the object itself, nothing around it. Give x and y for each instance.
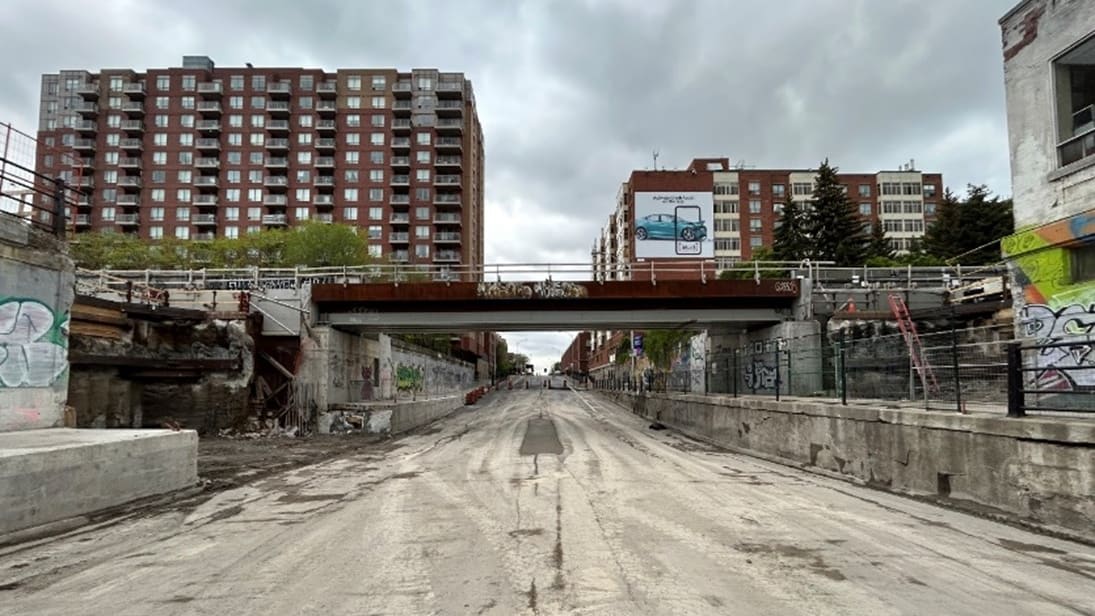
(548, 502)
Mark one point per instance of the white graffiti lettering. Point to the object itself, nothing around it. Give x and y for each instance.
(760, 376)
(1061, 367)
(27, 359)
(547, 289)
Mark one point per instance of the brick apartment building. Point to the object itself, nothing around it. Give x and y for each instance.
(747, 207)
(198, 152)
(575, 360)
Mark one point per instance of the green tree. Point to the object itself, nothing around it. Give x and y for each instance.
(835, 227)
(623, 351)
(791, 241)
(969, 231)
(878, 247)
(101, 250)
(661, 345)
(316, 244)
(747, 270)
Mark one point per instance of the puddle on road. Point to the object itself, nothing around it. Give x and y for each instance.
(541, 437)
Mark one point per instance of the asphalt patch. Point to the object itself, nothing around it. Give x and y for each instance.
(541, 438)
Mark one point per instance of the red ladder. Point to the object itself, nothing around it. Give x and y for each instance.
(916, 352)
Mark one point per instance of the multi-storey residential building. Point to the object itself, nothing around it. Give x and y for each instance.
(748, 202)
(575, 360)
(1049, 78)
(198, 152)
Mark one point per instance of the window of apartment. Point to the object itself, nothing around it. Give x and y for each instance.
(159, 158)
(258, 82)
(304, 195)
(159, 176)
(159, 140)
(929, 208)
(350, 175)
(157, 195)
(929, 190)
(108, 213)
(187, 102)
(182, 195)
(304, 102)
(864, 190)
(301, 213)
(254, 195)
(374, 232)
(305, 121)
(726, 225)
(254, 176)
(231, 232)
(185, 176)
(304, 175)
(353, 120)
(756, 242)
(754, 206)
(232, 195)
(353, 102)
(110, 158)
(422, 213)
(778, 190)
(235, 157)
(256, 158)
(376, 138)
(116, 84)
(186, 140)
(189, 83)
(353, 83)
(376, 213)
(912, 207)
(422, 138)
(1082, 263)
(349, 194)
(422, 232)
(891, 188)
(754, 225)
(376, 157)
(802, 188)
(258, 121)
(304, 158)
(425, 83)
(160, 121)
(182, 213)
(422, 251)
(235, 82)
(155, 214)
(233, 176)
(376, 251)
(231, 213)
(186, 158)
(754, 188)
(163, 82)
(728, 244)
(422, 156)
(258, 102)
(155, 232)
(162, 102)
(892, 226)
(376, 194)
(254, 213)
(182, 233)
(110, 195)
(378, 102)
(422, 194)
(235, 102)
(726, 189)
(235, 121)
(353, 138)
(864, 209)
(379, 82)
(349, 213)
(726, 207)
(376, 120)
(235, 139)
(914, 226)
(911, 188)
(258, 139)
(891, 207)
(376, 175)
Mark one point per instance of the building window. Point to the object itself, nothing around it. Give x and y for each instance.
(422, 213)
(116, 84)
(189, 83)
(349, 194)
(728, 244)
(754, 188)
(182, 213)
(256, 158)
(375, 231)
(182, 195)
(929, 190)
(186, 140)
(231, 214)
(304, 195)
(258, 121)
(378, 102)
(350, 175)
(350, 213)
(353, 157)
(376, 138)
(893, 226)
(182, 233)
(376, 213)
(254, 195)
(258, 82)
(914, 226)
(912, 207)
(422, 194)
(162, 102)
(235, 102)
(1074, 73)
(726, 189)
(375, 251)
(864, 209)
(353, 138)
(158, 195)
(232, 195)
(754, 225)
(376, 157)
(379, 82)
(778, 190)
(159, 176)
(304, 175)
(254, 213)
(353, 102)
(754, 206)
(258, 102)
(929, 209)
(353, 120)
(301, 213)
(376, 194)
(726, 207)
(156, 214)
(422, 138)
(756, 242)
(353, 82)
(235, 82)
(911, 188)
(422, 156)
(307, 83)
(891, 207)
(376, 175)
(187, 102)
(155, 232)
(376, 120)
(254, 176)
(422, 175)
(159, 158)
(891, 188)
(231, 232)
(422, 251)
(159, 140)
(305, 102)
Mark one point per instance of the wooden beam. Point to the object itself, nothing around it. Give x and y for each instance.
(277, 366)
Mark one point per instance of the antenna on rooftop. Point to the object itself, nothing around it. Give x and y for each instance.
(655, 160)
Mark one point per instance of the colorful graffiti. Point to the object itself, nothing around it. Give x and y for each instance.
(408, 378)
(1061, 367)
(33, 344)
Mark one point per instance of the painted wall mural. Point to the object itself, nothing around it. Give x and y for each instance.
(1052, 307)
(33, 343)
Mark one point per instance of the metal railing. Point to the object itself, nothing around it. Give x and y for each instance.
(45, 202)
(1052, 376)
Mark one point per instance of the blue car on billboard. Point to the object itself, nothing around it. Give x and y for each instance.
(669, 227)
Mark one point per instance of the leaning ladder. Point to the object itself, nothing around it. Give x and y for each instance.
(912, 341)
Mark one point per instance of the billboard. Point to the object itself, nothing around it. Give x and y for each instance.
(674, 225)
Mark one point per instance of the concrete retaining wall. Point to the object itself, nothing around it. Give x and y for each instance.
(405, 415)
(1041, 471)
(36, 293)
(56, 474)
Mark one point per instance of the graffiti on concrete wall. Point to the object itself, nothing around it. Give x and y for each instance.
(409, 377)
(548, 289)
(33, 344)
(1061, 367)
(759, 376)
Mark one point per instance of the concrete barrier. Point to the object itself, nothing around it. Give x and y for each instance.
(56, 474)
(1038, 471)
(406, 415)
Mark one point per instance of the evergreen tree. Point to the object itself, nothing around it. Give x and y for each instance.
(835, 228)
(877, 246)
(941, 237)
(791, 242)
(969, 231)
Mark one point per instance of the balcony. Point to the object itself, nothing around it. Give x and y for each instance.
(324, 218)
(129, 163)
(86, 162)
(87, 145)
(133, 127)
(446, 237)
(279, 89)
(135, 90)
(130, 181)
(132, 145)
(209, 126)
(207, 162)
(450, 109)
(399, 218)
(450, 127)
(402, 108)
(450, 89)
(401, 256)
(400, 237)
(325, 144)
(402, 89)
(87, 110)
(129, 200)
(327, 89)
(401, 143)
(449, 161)
(400, 200)
(206, 182)
(89, 91)
(209, 108)
(325, 181)
(446, 199)
(205, 220)
(278, 108)
(205, 236)
(208, 145)
(401, 126)
(447, 181)
(127, 219)
(441, 218)
(326, 126)
(401, 162)
(327, 108)
(83, 201)
(277, 143)
(212, 89)
(280, 182)
(133, 108)
(83, 220)
(85, 182)
(277, 126)
(205, 200)
(325, 161)
(449, 144)
(86, 127)
(275, 200)
(276, 162)
(446, 256)
(324, 200)
(401, 180)
(275, 219)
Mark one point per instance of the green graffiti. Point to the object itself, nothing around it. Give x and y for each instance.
(33, 343)
(408, 378)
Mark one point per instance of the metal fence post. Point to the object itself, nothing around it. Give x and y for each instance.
(1016, 401)
(59, 217)
(734, 373)
(954, 366)
(842, 374)
(778, 381)
(790, 381)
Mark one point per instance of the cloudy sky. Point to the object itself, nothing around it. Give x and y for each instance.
(574, 94)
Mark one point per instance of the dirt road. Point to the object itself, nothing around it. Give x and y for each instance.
(549, 502)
